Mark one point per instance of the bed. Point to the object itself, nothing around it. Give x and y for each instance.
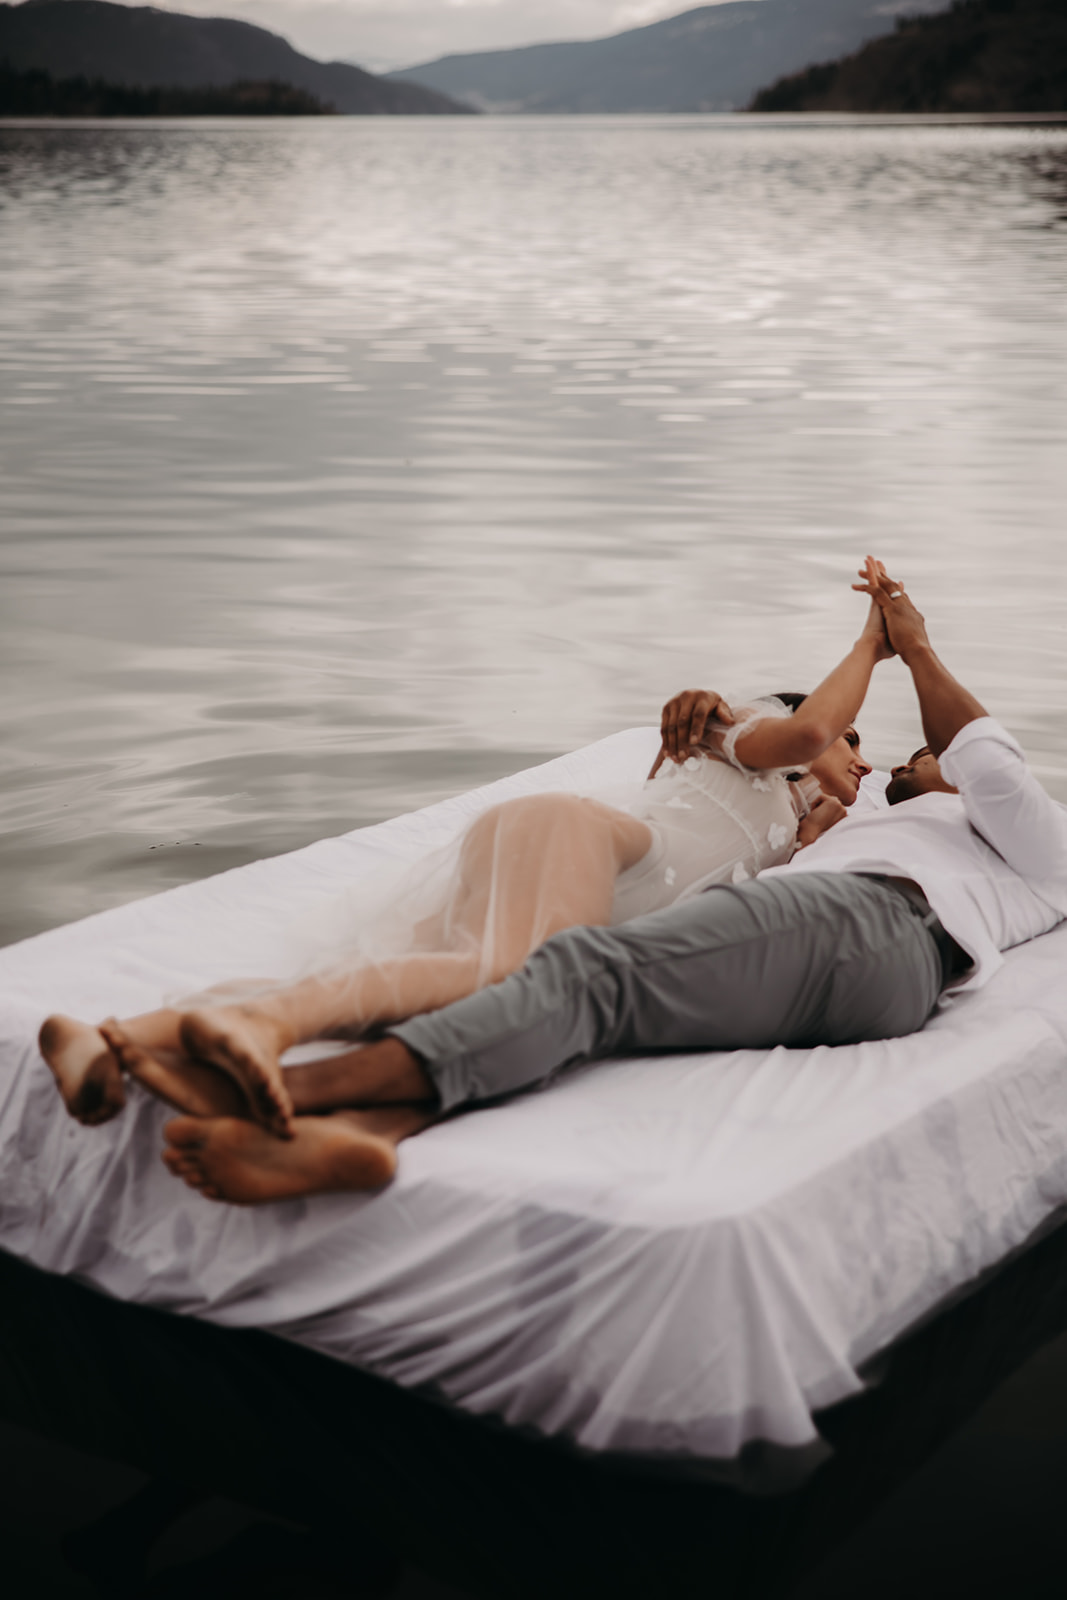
(692, 1272)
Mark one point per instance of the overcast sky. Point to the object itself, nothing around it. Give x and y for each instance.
(380, 34)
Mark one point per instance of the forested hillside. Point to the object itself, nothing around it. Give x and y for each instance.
(982, 56)
(38, 94)
(141, 47)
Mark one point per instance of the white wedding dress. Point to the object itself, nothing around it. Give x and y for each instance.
(713, 820)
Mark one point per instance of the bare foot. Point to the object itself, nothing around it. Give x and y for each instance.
(240, 1162)
(188, 1086)
(246, 1047)
(88, 1075)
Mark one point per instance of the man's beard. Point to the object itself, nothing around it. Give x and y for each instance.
(902, 788)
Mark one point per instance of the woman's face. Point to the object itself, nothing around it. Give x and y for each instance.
(840, 768)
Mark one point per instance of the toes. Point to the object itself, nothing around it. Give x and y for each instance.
(188, 1172)
(198, 1179)
(270, 1106)
(186, 1133)
(121, 1045)
(277, 1107)
(179, 1163)
(278, 1122)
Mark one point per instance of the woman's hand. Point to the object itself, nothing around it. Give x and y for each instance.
(874, 630)
(684, 721)
(824, 814)
(904, 625)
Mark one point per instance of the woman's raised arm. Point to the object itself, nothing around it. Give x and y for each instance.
(826, 713)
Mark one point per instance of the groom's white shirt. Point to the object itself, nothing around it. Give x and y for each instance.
(992, 860)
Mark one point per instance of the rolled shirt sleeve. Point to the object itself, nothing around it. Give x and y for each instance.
(1006, 804)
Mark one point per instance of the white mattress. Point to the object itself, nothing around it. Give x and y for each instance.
(671, 1257)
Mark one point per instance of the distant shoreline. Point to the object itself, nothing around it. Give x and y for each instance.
(36, 94)
(740, 118)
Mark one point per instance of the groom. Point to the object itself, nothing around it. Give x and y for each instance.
(855, 939)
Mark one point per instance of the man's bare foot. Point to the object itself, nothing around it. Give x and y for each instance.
(240, 1162)
(84, 1067)
(188, 1086)
(246, 1047)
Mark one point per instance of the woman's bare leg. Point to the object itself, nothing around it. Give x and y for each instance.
(227, 1159)
(528, 869)
(245, 1042)
(384, 1072)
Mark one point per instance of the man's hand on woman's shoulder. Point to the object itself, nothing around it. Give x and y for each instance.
(684, 722)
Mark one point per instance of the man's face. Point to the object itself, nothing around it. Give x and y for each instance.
(920, 774)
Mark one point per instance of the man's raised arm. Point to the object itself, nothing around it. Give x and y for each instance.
(946, 706)
(1003, 800)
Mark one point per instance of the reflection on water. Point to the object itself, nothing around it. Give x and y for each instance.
(350, 462)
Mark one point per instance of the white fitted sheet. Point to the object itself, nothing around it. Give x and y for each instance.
(670, 1257)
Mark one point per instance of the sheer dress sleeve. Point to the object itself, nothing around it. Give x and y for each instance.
(769, 709)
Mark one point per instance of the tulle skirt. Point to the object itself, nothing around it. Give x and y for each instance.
(414, 937)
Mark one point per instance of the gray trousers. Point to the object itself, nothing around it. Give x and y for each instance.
(817, 958)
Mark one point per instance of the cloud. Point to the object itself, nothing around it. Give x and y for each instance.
(380, 34)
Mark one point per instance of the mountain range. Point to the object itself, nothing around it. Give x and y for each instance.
(140, 46)
(714, 58)
(765, 55)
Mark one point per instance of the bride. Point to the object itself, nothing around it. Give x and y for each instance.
(731, 792)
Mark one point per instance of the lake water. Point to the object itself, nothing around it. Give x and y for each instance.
(351, 462)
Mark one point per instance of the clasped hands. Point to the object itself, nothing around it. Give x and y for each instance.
(690, 720)
(903, 626)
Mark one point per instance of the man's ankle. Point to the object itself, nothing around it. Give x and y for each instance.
(394, 1074)
(385, 1072)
